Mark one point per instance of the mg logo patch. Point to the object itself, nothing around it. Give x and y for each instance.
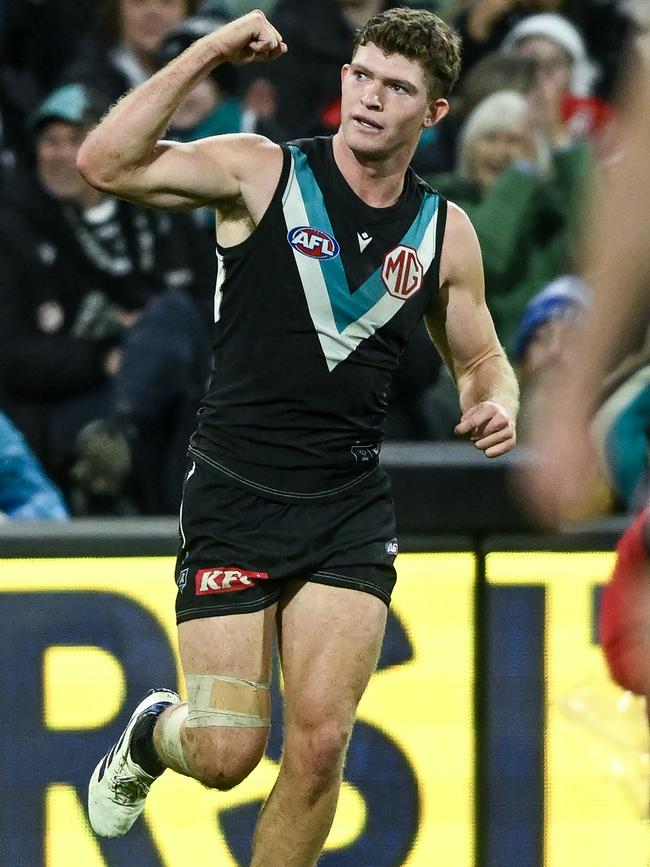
(313, 243)
(225, 579)
(402, 271)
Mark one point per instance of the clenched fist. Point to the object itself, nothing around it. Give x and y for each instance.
(247, 39)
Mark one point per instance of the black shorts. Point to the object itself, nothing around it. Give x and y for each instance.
(237, 548)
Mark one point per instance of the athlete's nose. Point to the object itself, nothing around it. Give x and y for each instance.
(371, 99)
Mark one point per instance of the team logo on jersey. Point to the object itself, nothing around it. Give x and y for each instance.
(313, 243)
(402, 271)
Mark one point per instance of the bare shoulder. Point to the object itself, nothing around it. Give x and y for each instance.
(461, 252)
(253, 161)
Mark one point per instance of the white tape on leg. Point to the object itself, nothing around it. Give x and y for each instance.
(170, 744)
(220, 700)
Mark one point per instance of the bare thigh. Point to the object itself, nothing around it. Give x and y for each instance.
(239, 646)
(330, 639)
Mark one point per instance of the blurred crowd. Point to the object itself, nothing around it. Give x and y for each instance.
(106, 308)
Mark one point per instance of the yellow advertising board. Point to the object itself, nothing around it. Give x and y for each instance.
(82, 630)
(595, 747)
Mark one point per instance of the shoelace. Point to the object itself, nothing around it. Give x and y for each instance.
(128, 790)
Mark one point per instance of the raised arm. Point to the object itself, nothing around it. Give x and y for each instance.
(461, 327)
(124, 156)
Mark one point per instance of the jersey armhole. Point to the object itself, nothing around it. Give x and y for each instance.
(278, 193)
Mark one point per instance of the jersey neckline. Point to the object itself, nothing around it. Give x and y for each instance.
(369, 213)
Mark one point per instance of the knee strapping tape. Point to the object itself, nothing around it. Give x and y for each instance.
(219, 700)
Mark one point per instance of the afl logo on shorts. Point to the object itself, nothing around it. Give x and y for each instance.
(402, 271)
(313, 243)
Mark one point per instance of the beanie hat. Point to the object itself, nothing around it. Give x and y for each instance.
(71, 103)
(560, 30)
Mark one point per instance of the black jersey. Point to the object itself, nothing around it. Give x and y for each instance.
(312, 313)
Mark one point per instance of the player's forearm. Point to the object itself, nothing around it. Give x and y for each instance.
(126, 138)
(491, 379)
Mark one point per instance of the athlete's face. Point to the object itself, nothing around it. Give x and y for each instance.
(384, 103)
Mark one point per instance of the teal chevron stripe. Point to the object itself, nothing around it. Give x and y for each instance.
(349, 307)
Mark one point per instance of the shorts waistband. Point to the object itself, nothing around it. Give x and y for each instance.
(276, 493)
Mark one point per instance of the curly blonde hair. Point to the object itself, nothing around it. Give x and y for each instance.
(417, 35)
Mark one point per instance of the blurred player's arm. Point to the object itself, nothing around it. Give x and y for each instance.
(618, 271)
(461, 327)
(124, 156)
(561, 479)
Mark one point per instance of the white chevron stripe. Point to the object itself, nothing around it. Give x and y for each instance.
(385, 308)
(218, 289)
(338, 346)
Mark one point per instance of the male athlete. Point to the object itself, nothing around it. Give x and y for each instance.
(330, 250)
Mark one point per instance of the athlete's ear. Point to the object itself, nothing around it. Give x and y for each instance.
(344, 72)
(435, 112)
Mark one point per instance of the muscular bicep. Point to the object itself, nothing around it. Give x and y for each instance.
(458, 319)
(205, 172)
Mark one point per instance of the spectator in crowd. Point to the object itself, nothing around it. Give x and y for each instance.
(521, 197)
(122, 51)
(495, 71)
(566, 107)
(137, 447)
(604, 24)
(25, 491)
(79, 273)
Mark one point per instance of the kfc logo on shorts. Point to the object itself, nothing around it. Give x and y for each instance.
(225, 579)
(402, 271)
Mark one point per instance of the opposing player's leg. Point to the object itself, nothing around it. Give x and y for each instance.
(217, 737)
(330, 638)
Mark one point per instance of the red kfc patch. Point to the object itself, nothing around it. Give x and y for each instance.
(225, 579)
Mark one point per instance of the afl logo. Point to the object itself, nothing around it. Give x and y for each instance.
(402, 271)
(313, 243)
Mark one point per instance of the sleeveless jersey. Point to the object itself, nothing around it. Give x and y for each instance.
(312, 313)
